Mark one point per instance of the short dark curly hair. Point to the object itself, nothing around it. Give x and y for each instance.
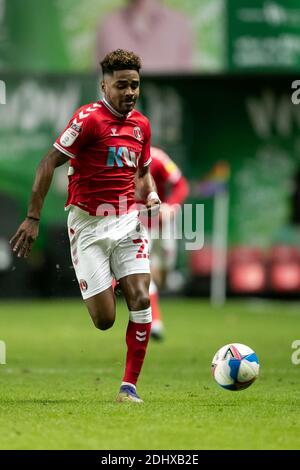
(120, 60)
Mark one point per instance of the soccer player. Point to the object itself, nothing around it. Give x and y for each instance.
(172, 188)
(108, 145)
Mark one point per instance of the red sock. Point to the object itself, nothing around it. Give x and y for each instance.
(137, 337)
(156, 316)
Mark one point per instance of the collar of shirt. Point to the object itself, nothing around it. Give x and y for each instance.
(113, 111)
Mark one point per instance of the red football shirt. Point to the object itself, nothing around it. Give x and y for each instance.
(105, 150)
(164, 171)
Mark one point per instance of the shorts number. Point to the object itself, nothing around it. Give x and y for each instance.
(143, 252)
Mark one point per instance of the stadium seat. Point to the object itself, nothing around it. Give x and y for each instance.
(285, 277)
(284, 253)
(284, 269)
(200, 261)
(245, 254)
(246, 270)
(200, 265)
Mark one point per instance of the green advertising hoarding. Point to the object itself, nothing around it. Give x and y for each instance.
(251, 123)
(36, 110)
(66, 36)
(263, 35)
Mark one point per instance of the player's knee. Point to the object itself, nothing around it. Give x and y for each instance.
(103, 324)
(141, 300)
(101, 319)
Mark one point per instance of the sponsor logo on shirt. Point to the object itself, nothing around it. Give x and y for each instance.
(122, 156)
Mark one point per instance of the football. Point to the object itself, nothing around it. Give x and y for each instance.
(235, 366)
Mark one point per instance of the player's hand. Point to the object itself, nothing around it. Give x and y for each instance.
(153, 204)
(24, 238)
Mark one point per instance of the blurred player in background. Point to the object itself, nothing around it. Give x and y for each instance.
(172, 189)
(108, 145)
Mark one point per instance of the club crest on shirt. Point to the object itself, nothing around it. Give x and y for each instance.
(70, 135)
(83, 285)
(137, 133)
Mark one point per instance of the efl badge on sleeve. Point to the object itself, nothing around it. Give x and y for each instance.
(70, 135)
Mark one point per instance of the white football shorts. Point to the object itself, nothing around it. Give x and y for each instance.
(163, 246)
(103, 248)
(163, 253)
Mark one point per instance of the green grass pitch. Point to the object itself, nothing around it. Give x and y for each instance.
(58, 387)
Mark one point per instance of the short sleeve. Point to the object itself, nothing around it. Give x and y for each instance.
(172, 171)
(145, 159)
(76, 134)
(168, 170)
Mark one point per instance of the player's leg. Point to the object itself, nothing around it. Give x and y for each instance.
(90, 257)
(163, 261)
(102, 309)
(130, 263)
(135, 288)
(157, 328)
(168, 250)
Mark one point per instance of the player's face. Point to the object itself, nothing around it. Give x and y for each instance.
(122, 89)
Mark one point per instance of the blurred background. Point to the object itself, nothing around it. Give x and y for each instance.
(217, 88)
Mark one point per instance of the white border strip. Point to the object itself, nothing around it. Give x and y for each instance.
(61, 149)
(148, 162)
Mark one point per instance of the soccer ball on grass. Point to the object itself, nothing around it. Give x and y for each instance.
(235, 366)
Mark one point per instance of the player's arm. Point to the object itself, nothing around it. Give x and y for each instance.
(147, 189)
(178, 192)
(27, 233)
(146, 186)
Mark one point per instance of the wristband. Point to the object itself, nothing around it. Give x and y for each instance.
(152, 195)
(32, 218)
